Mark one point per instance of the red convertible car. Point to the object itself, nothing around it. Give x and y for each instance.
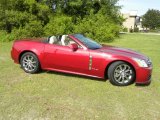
(77, 54)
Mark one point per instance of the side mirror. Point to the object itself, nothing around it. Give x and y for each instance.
(73, 46)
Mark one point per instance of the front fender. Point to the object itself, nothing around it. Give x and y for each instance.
(109, 61)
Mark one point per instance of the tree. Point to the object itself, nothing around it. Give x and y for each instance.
(99, 19)
(15, 14)
(99, 27)
(151, 19)
(83, 8)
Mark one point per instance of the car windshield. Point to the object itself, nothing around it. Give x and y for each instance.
(88, 42)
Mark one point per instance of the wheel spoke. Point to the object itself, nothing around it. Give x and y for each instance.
(119, 79)
(125, 67)
(27, 67)
(126, 80)
(127, 70)
(33, 65)
(120, 67)
(30, 68)
(117, 75)
(32, 59)
(34, 62)
(27, 57)
(128, 74)
(25, 62)
(117, 71)
(123, 80)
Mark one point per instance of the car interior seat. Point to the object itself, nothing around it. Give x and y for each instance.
(53, 40)
(59, 37)
(63, 40)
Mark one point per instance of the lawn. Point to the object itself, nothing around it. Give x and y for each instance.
(52, 95)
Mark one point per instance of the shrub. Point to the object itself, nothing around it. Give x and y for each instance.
(155, 31)
(13, 19)
(125, 29)
(131, 30)
(98, 27)
(136, 29)
(18, 13)
(32, 29)
(5, 37)
(59, 25)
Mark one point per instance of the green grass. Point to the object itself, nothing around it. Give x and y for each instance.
(52, 95)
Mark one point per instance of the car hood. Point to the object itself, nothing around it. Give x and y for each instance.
(122, 51)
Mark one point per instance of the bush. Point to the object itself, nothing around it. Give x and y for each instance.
(59, 25)
(136, 29)
(13, 19)
(155, 31)
(98, 27)
(5, 37)
(32, 29)
(21, 12)
(125, 29)
(131, 30)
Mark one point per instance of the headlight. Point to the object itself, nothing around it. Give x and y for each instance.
(140, 62)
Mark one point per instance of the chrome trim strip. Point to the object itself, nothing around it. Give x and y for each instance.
(90, 62)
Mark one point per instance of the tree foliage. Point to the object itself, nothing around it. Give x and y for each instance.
(98, 27)
(99, 19)
(151, 19)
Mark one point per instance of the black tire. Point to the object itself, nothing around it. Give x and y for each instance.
(121, 73)
(30, 63)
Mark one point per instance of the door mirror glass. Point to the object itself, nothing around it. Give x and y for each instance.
(73, 46)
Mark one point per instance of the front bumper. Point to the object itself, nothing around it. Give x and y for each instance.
(143, 75)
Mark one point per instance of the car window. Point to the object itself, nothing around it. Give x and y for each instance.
(88, 42)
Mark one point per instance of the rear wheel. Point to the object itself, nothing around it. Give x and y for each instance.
(30, 63)
(121, 73)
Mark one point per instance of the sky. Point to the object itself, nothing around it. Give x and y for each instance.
(141, 6)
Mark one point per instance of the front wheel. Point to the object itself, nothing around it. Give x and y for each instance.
(121, 73)
(30, 63)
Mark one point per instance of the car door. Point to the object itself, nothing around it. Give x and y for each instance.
(64, 58)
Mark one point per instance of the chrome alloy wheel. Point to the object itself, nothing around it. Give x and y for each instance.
(123, 74)
(29, 63)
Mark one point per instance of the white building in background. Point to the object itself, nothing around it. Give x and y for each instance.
(132, 21)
